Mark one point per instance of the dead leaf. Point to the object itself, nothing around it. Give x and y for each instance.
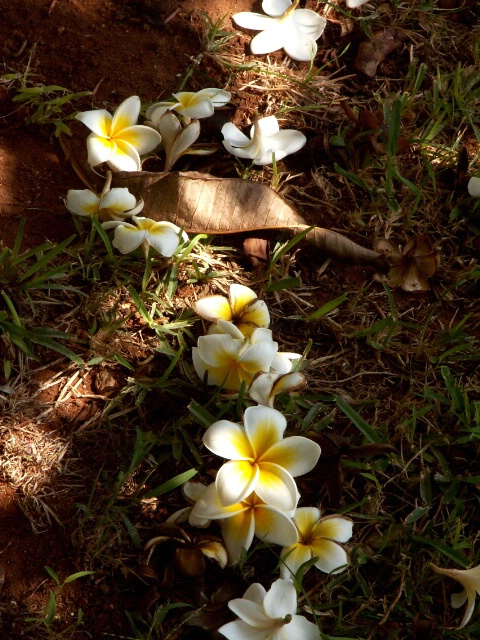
(372, 52)
(202, 203)
(411, 267)
(371, 129)
(257, 251)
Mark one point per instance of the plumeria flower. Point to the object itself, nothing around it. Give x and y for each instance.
(242, 307)
(190, 104)
(265, 140)
(260, 459)
(244, 519)
(266, 386)
(164, 236)
(268, 615)
(317, 538)
(229, 359)
(470, 581)
(178, 140)
(474, 187)
(117, 204)
(118, 140)
(285, 27)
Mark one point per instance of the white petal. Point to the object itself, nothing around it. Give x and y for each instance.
(234, 136)
(255, 21)
(118, 198)
(213, 307)
(301, 47)
(83, 202)
(240, 152)
(458, 599)
(169, 127)
(474, 187)
(276, 487)
(295, 556)
(156, 111)
(228, 440)
(199, 107)
(219, 97)
(281, 600)
(264, 427)
(185, 139)
(99, 121)
(296, 454)
(236, 480)
(268, 126)
(143, 139)
(124, 157)
(128, 239)
(332, 558)
(258, 357)
(298, 628)
(336, 528)
(255, 593)
(276, 7)
(238, 532)
(286, 142)
(239, 630)
(99, 149)
(309, 23)
(469, 610)
(261, 389)
(208, 506)
(251, 613)
(353, 4)
(126, 114)
(306, 518)
(163, 239)
(268, 41)
(273, 525)
(218, 350)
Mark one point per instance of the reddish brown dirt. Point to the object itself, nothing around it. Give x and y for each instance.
(115, 48)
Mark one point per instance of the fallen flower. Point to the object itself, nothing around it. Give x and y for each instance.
(266, 386)
(242, 307)
(118, 140)
(261, 460)
(265, 140)
(317, 538)
(244, 519)
(116, 204)
(163, 236)
(228, 358)
(353, 4)
(411, 267)
(470, 581)
(285, 27)
(474, 187)
(190, 104)
(268, 615)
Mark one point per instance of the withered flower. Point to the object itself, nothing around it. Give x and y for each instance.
(410, 267)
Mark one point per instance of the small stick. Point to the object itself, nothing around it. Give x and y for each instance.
(172, 15)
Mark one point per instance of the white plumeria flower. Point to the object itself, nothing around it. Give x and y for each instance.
(317, 538)
(190, 104)
(285, 27)
(118, 140)
(474, 187)
(260, 459)
(265, 140)
(163, 236)
(230, 359)
(241, 521)
(266, 386)
(269, 615)
(470, 581)
(116, 204)
(242, 307)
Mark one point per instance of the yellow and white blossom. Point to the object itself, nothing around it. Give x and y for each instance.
(470, 581)
(242, 521)
(268, 615)
(163, 236)
(266, 386)
(190, 104)
(242, 307)
(118, 140)
(317, 538)
(229, 359)
(261, 460)
(284, 27)
(116, 204)
(265, 140)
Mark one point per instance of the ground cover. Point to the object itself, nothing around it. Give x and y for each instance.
(102, 411)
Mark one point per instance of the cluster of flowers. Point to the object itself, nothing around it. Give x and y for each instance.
(255, 493)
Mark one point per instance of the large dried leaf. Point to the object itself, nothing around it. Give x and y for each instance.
(201, 203)
(372, 52)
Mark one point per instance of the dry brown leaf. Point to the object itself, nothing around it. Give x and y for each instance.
(372, 52)
(367, 123)
(202, 203)
(411, 267)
